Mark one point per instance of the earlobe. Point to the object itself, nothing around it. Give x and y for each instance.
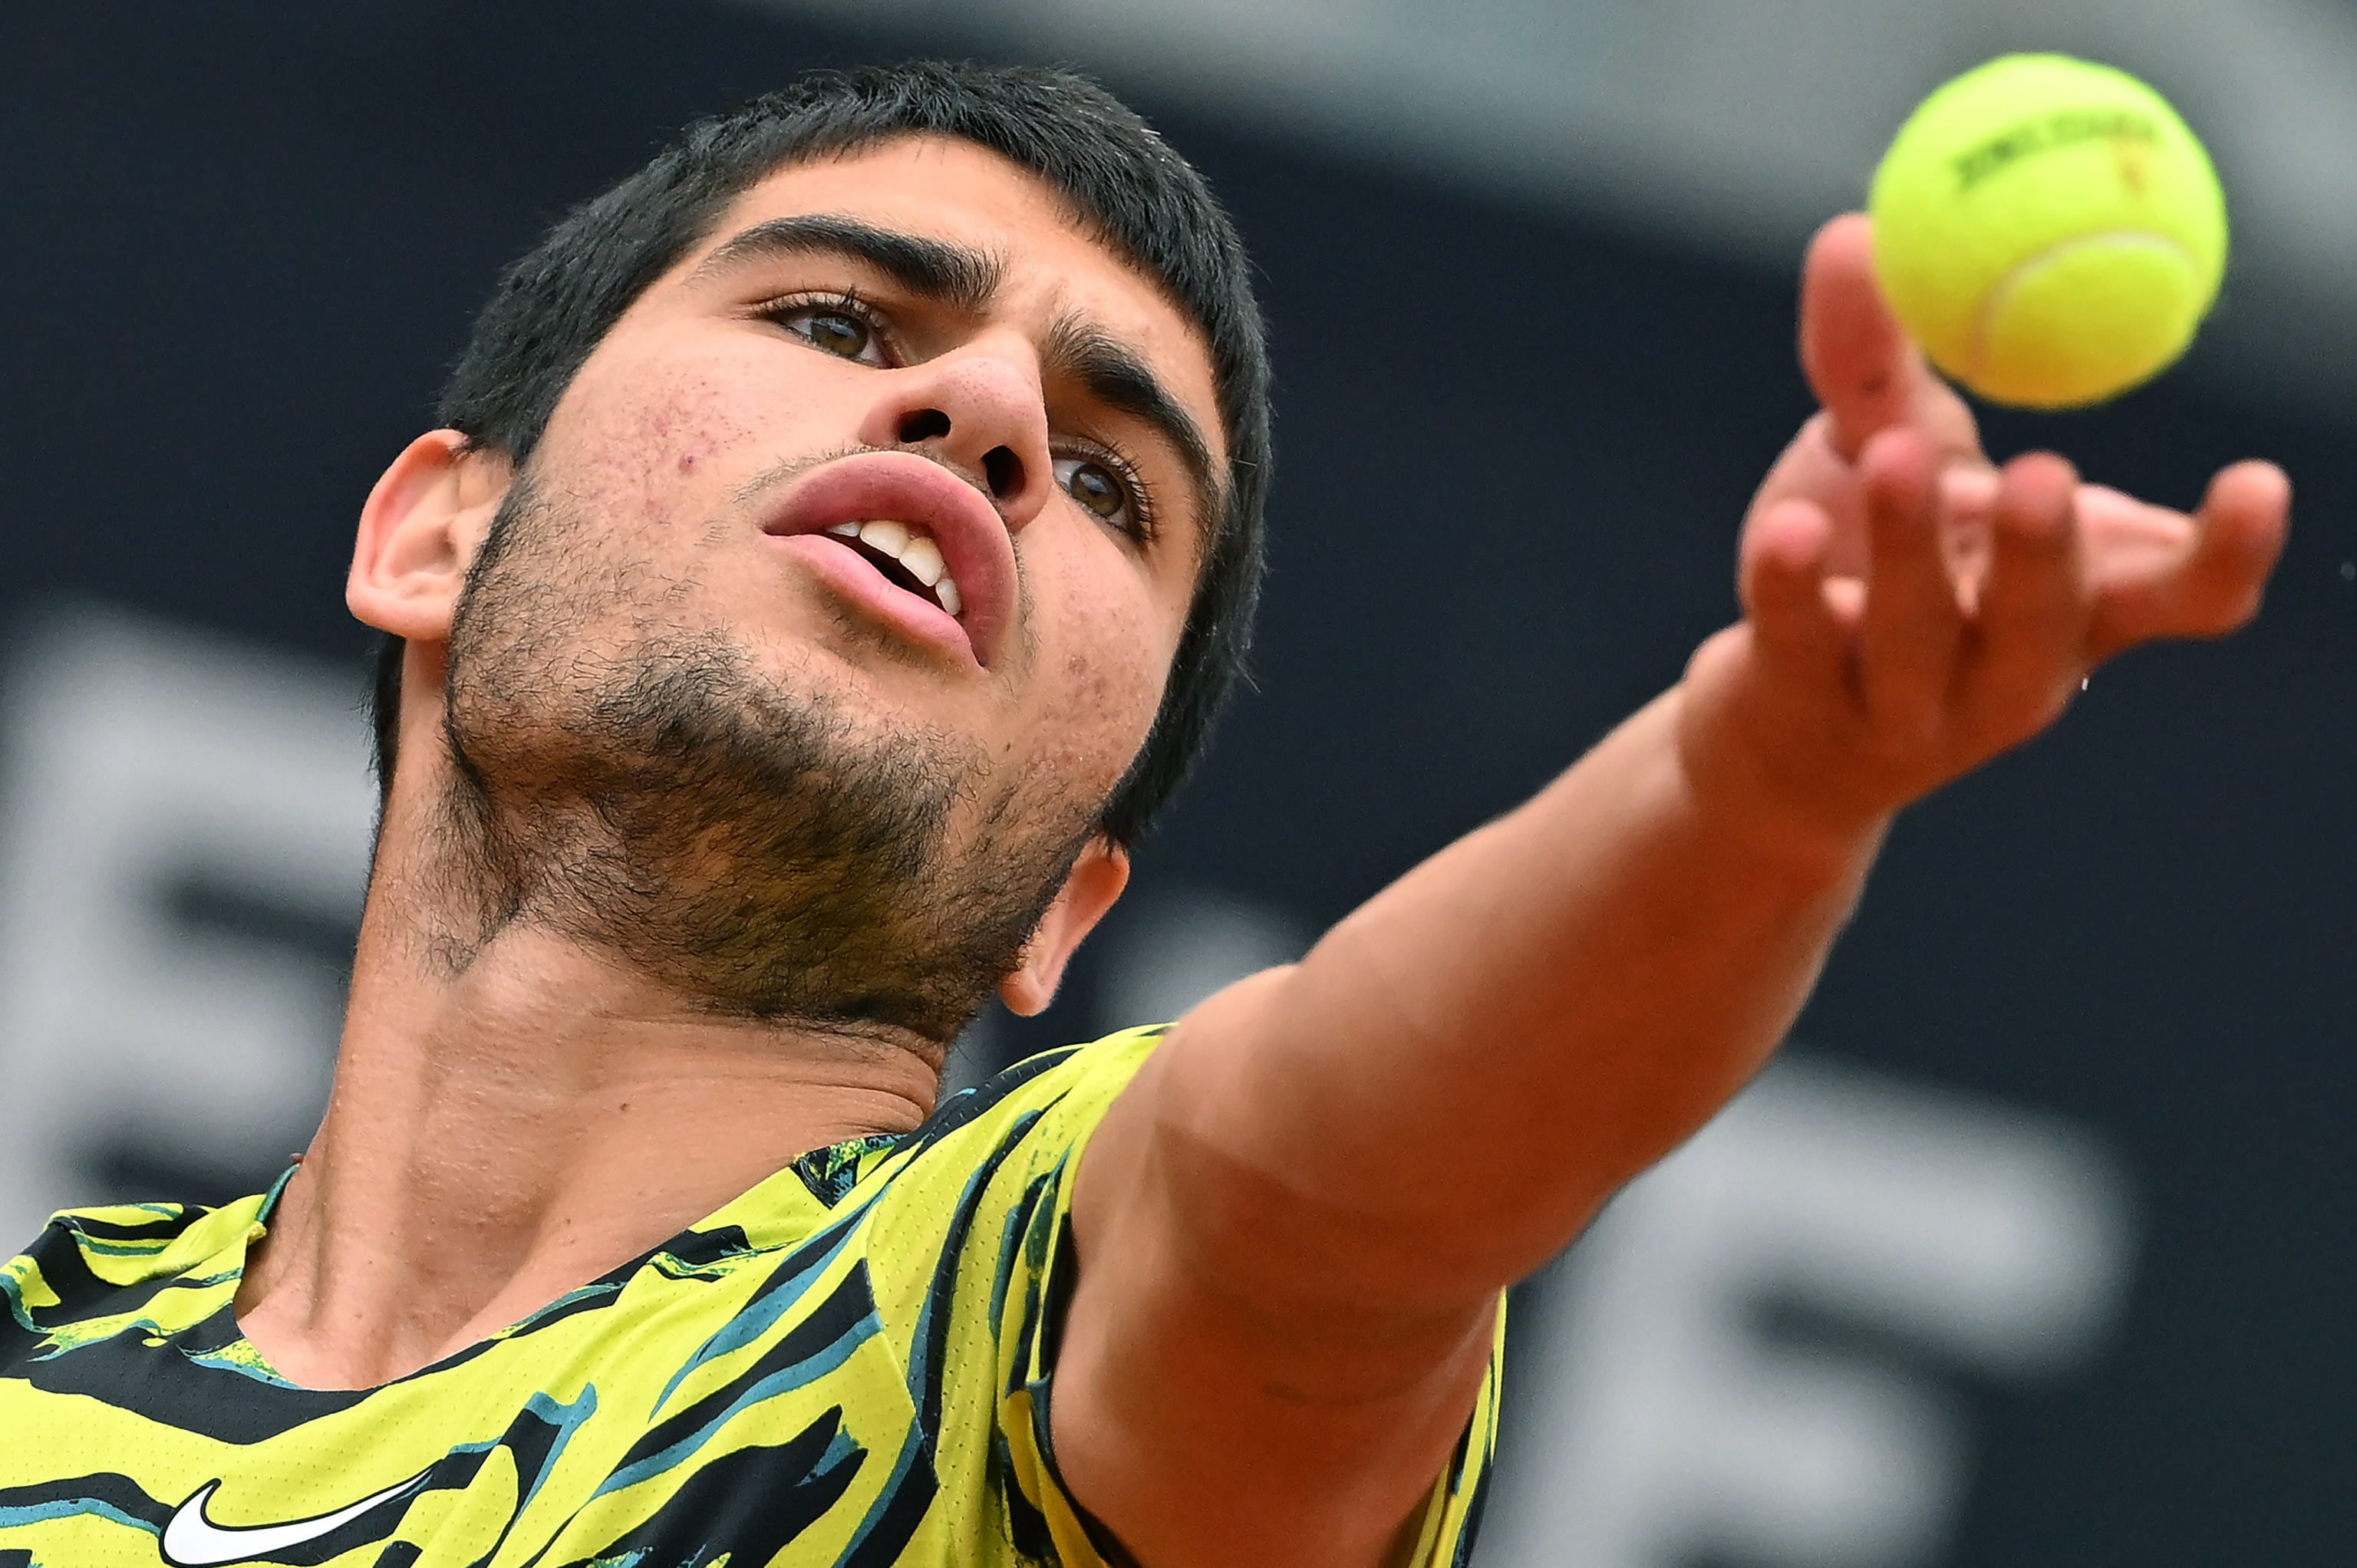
(1096, 882)
(419, 530)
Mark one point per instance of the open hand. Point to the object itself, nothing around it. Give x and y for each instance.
(1910, 609)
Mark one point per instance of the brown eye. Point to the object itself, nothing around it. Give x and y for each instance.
(1097, 488)
(832, 330)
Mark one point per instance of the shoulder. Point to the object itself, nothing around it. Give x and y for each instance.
(91, 1267)
(967, 1249)
(1049, 1099)
(899, 1215)
(989, 1154)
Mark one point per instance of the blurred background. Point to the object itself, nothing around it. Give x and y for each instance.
(2034, 1249)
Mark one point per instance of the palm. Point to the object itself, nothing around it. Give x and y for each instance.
(1909, 607)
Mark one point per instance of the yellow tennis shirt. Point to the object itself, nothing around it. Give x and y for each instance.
(850, 1365)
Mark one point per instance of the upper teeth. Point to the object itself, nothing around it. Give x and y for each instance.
(917, 552)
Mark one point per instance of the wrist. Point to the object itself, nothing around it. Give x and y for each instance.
(1765, 785)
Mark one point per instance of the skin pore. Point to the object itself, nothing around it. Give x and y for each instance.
(591, 1002)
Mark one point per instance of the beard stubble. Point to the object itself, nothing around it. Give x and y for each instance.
(748, 843)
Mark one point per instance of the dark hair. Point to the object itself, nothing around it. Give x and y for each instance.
(1144, 203)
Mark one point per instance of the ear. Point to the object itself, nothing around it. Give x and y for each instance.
(419, 530)
(1094, 883)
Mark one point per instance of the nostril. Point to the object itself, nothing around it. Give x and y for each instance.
(924, 425)
(1004, 469)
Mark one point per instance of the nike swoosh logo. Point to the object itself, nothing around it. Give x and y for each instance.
(192, 1541)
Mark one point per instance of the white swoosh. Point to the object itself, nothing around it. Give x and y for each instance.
(192, 1541)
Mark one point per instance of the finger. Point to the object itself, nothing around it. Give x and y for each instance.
(2029, 631)
(1865, 372)
(1810, 470)
(1967, 513)
(1911, 626)
(1782, 574)
(2214, 584)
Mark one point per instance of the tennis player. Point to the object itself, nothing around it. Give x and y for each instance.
(842, 535)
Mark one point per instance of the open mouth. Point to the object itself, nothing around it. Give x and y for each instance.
(906, 557)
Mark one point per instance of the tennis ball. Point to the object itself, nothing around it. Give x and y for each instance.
(2047, 230)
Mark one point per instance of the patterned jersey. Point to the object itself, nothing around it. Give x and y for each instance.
(848, 1365)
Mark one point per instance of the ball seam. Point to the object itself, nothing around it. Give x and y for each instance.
(2001, 293)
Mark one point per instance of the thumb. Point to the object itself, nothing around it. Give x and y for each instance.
(1865, 372)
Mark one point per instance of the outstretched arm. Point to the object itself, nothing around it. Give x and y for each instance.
(1294, 1228)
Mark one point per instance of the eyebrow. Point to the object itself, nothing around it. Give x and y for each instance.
(1117, 377)
(962, 279)
(952, 275)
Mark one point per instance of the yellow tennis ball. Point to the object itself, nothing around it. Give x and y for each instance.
(2048, 230)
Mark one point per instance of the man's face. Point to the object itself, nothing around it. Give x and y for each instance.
(750, 401)
(844, 584)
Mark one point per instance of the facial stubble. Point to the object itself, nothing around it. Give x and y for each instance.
(746, 840)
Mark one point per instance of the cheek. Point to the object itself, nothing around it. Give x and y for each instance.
(652, 443)
(1103, 673)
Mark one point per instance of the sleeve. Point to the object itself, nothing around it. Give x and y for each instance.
(1452, 1515)
(1030, 1316)
(995, 1312)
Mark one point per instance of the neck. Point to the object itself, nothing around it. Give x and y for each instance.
(507, 1129)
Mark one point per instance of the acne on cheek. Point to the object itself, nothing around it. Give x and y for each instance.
(1115, 655)
(1101, 714)
(648, 418)
(633, 456)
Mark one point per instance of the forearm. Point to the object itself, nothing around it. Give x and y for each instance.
(1525, 1021)
(1292, 1225)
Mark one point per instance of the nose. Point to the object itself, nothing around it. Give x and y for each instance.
(981, 408)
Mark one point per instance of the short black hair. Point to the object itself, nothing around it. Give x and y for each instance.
(1144, 203)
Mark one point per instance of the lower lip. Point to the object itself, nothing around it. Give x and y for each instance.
(848, 574)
